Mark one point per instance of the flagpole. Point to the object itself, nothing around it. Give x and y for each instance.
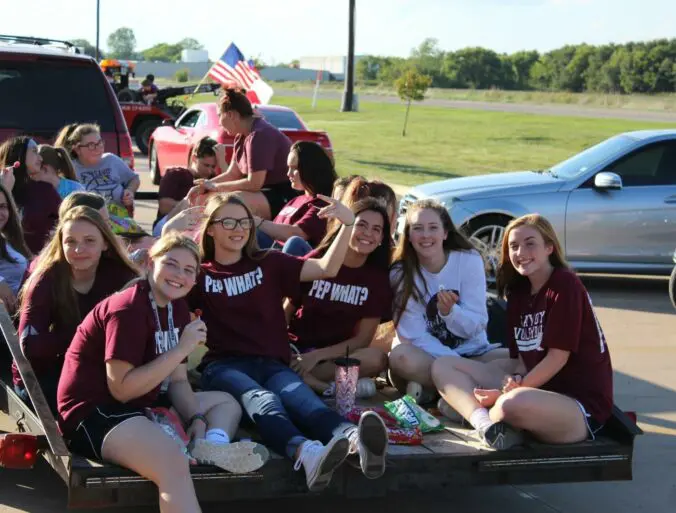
(204, 78)
(320, 74)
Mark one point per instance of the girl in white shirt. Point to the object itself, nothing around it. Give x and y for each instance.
(439, 283)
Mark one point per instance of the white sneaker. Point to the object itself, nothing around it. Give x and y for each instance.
(372, 442)
(235, 457)
(321, 461)
(419, 393)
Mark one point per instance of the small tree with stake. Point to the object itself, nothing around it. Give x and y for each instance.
(411, 86)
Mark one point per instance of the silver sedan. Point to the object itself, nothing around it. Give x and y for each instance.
(613, 205)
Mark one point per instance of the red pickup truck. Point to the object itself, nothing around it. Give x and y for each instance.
(172, 143)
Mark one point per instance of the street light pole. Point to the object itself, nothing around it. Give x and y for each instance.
(96, 50)
(348, 95)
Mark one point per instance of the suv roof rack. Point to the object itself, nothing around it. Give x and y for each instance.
(38, 41)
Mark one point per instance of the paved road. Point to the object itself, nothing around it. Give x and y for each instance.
(639, 323)
(523, 108)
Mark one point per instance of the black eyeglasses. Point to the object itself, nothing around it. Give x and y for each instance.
(92, 145)
(230, 223)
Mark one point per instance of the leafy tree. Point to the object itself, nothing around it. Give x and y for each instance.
(163, 52)
(190, 43)
(411, 86)
(122, 43)
(89, 49)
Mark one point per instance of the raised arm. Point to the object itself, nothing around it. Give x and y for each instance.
(328, 265)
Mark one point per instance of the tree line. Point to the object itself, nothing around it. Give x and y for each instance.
(641, 67)
(122, 45)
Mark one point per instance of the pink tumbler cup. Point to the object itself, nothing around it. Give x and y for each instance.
(347, 374)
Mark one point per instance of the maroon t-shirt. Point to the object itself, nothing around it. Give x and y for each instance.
(329, 310)
(265, 148)
(176, 183)
(44, 338)
(122, 327)
(242, 305)
(561, 316)
(40, 213)
(302, 212)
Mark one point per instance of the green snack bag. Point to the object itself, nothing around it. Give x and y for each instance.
(428, 422)
(402, 411)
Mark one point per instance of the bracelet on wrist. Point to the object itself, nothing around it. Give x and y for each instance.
(198, 416)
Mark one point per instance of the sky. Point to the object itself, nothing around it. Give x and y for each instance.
(279, 31)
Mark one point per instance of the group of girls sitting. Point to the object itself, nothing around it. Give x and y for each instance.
(108, 340)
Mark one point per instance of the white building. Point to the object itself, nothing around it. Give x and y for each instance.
(194, 56)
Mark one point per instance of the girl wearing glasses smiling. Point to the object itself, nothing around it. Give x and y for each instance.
(240, 291)
(103, 173)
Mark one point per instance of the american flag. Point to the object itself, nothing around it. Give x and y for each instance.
(234, 67)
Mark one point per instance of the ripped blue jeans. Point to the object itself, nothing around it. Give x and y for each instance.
(284, 409)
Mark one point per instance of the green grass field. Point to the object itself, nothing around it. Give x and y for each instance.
(445, 143)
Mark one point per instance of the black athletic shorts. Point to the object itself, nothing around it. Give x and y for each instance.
(278, 195)
(90, 434)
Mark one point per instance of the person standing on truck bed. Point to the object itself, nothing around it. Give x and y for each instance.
(297, 228)
(103, 173)
(351, 304)
(563, 392)
(258, 167)
(240, 291)
(38, 202)
(128, 355)
(81, 265)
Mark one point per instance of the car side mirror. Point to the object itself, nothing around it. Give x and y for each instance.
(168, 122)
(608, 181)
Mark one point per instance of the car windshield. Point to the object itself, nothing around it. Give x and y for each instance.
(591, 157)
(282, 119)
(42, 96)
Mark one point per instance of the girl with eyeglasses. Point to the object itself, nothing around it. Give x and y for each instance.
(37, 201)
(240, 291)
(100, 172)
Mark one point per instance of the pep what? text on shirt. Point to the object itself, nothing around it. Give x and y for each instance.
(234, 285)
(351, 294)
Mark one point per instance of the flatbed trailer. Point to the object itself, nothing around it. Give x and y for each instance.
(448, 459)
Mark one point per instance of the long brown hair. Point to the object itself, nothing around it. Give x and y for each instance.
(52, 260)
(406, 264)
(71, 135)
(59, 159)
(506, 276)
(14, 150)
(12, 232)
(207, 244)
(379, 257)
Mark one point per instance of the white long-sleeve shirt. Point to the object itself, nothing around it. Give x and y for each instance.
(463, 331)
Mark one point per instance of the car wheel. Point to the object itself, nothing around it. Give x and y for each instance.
(143, 133)
(154, 167)
(672, 287)
(486, 234)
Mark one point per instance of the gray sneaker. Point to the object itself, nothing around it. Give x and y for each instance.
(372, 444)
(501, 436)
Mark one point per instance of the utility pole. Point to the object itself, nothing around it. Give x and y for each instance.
(348, 94)
(96, 50)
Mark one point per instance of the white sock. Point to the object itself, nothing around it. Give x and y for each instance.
(217, 436)
(480, 420)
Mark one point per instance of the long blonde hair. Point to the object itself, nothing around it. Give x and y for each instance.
(52, 260)
(207, 244)
(405, 259)
(506, 276)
